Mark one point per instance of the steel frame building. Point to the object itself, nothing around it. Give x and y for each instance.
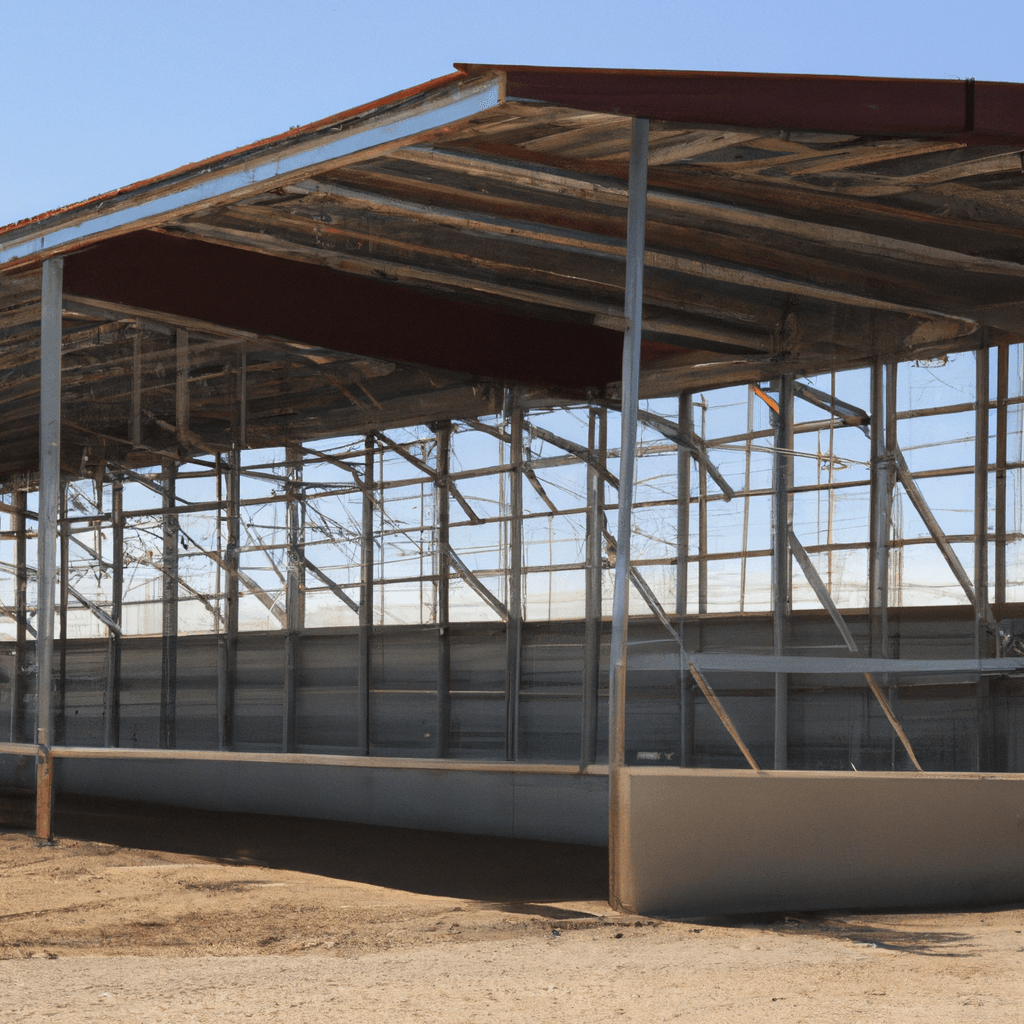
(391, 470)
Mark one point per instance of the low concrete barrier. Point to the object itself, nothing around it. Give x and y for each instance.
(735, 841)
(556, 803)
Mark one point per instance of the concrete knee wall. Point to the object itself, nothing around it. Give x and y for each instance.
(711, 842)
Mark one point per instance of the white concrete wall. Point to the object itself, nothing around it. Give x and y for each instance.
(735, 841)
(548, 802)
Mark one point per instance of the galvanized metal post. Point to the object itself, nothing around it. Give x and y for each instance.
(981, 630)
(702, 518)
(228, 675)
(19, 500)
(169, 660)
(293, 594)
(365, 602)
(620, 894)
(443, 432)
(514, 628)
(889, 478)
(782, 563)
(1002, 390)
(64, 532)
(50, 335)
(684, 461)
(881, 489)
(597, 438)
(112, 697)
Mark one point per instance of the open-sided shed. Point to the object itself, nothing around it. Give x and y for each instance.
(482, 250)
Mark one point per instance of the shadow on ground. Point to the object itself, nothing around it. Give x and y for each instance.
(484, 868)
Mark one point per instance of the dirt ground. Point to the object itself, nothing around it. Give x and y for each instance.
(102, 931)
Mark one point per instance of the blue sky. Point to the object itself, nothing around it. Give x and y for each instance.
(95, 95)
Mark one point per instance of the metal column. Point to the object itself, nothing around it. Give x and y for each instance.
(444, 651)
(514, 629)
(982, 635)
(19, 500)
(228, 674)
(598, 442)
(684, 461)
(881, 513)
(49, 486)
(169, 660)
(782, 563)
(620, 894)
(365, 603)
(112, 697)
(1002, 389)
(59, 724)
(293, 594)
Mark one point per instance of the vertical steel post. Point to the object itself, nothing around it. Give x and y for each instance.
(620, 894)
(889, 478)
(782, 563)
(112, 697)
(49, 486)
(702, 520)
(19, 499)
(981, 629)
(169, 602)
(684, 460)
(881, 489)
(365, 602)
(514, 628)
(592, 600)
(1002, 390)
(444, 651)
(228, 676)
(293, 593)
(64, 532)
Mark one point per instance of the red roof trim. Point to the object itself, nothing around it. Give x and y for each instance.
(989, 113)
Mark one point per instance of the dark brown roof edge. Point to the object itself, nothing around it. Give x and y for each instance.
(975, 113)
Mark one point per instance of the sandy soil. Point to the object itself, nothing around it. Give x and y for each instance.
(98, 932)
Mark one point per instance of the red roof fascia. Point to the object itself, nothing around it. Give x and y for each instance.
(978, 113)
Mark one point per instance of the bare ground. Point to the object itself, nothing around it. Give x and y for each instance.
(103, 931)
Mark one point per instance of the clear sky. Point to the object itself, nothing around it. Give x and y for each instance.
(95, 94)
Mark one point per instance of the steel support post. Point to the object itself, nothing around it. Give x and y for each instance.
(514, 627)
(598, 435)
(64, 533)
(782, 563)
(365, 602)
(293, 594)
(702, 521)
(49, 486)
(620, 867)
(19, 500)
(443, 434)
(228, 676)
(1002, 390)
(169, 602)
(112, 696)
(982, 635)
(893, 692)
(881, 515)
(684, 461)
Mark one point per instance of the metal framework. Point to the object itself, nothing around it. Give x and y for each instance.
(314, 438)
